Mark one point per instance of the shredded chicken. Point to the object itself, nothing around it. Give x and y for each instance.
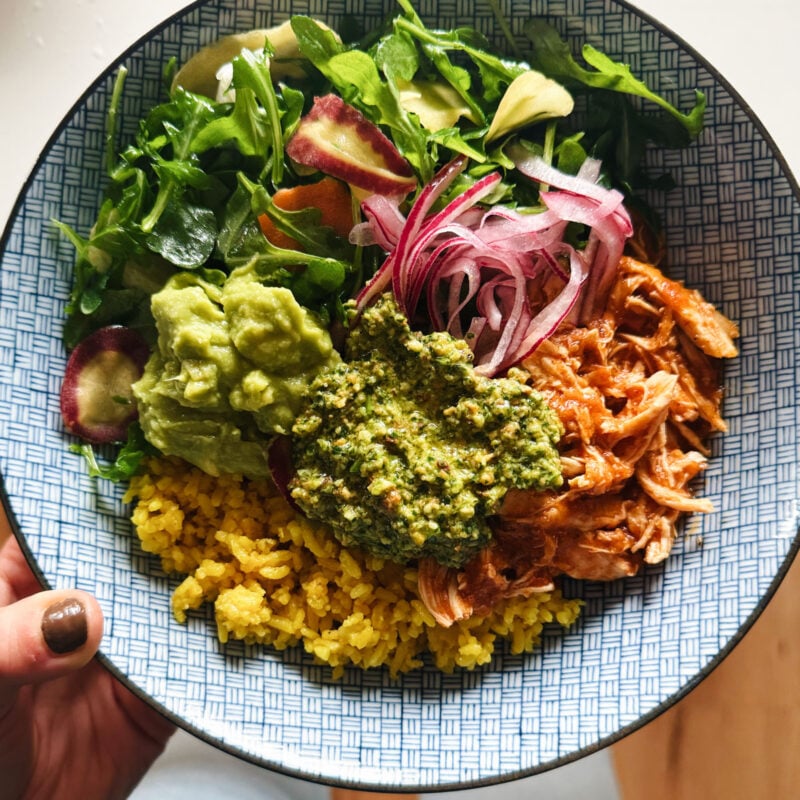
(638, 393)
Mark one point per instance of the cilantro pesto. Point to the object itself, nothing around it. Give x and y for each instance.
(406, 451)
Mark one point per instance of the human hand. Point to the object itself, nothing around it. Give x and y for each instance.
(68, 728)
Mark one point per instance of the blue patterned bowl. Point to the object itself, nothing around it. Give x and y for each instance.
(639, 645)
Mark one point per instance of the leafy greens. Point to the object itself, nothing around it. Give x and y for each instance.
(188, 191)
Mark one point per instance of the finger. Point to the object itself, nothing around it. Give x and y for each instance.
(45, 636)
(16, 578)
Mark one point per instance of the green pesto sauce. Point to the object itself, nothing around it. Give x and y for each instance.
(405, 450)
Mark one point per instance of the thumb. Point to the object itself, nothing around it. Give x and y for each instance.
(47, 635)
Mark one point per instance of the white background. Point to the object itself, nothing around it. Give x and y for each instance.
(51, 50)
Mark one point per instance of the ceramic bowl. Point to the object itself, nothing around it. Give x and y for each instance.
(639, 645)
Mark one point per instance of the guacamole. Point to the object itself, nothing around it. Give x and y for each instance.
(231, 366)
(406, 451)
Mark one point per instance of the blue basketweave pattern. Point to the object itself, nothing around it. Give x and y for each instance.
(733, 233)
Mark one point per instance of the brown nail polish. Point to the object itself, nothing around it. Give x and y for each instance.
(64, 626)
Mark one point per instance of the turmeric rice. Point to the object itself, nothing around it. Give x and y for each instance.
(279, 579)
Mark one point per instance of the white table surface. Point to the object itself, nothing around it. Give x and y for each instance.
(50, 50)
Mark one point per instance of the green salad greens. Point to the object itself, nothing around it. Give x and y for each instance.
(191, 193)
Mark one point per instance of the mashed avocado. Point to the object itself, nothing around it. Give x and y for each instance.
(230, 369)
(405, 450)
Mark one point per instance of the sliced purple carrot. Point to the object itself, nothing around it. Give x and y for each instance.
(339, 140)
(97, 402)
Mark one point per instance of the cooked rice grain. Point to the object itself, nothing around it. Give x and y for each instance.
(279, 579)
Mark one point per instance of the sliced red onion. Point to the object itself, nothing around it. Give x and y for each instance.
(539, 170)
(545, 323)
(414, 222)
(388, 274)
(464, 256)
(414, 270)
(606, 243)
(377, 284)
(385, 222)
(457, 271)
(590, 169)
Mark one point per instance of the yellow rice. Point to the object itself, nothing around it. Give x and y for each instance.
(279, 579)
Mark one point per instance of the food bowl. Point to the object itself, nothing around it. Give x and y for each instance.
(639, 645)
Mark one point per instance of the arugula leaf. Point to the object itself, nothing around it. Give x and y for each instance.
(570, 154)
(305, 228)
(111, 118)
(177, 123)
(397, 55)
(317, 44)
(239, 233)
(246, 127)
(253, 73)
(293, 102)
(505, 27)
(454, 139)
(130, 190)
(495, 71)
(127, 461)
(185, 234)
(91, 274)
(318, 283)
(317, 279)
(553, 57)
(265, 258)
